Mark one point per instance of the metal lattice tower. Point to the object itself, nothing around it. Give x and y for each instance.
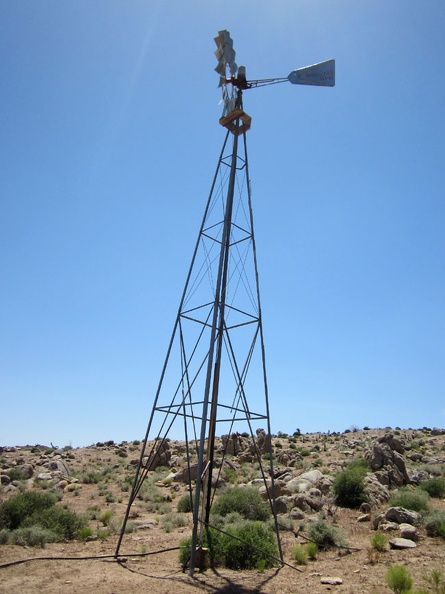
(213, 381)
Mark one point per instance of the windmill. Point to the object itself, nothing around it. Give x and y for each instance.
(214, 373)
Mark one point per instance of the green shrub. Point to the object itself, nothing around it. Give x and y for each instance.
(62, 522)
(33, 519)
(312, 550)
(172, 520)
(349, 488)
(379, 542)
(184, 505)
(300, 554)
(414, 499)
(245, 501)
(238, 548)
(325, 535)
(84, 533)
(398, 579)
(434, 487)
(241, 554)
(32, 536)
(359, 464)
(16, 474)
(437, 581)
(435, 523)
(106, 516)
(18, 508)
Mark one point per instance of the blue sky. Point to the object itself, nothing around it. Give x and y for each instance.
(109, 141)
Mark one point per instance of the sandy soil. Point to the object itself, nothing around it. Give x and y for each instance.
(66, 567)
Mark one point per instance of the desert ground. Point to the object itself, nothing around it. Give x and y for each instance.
(96, 481)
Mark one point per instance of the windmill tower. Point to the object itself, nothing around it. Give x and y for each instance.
(213, 381)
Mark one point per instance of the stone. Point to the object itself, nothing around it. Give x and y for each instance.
(298, 485)
(279, 489)
(388, 526)
(283, 503)
(331, 581)
(44, 476)
(145, 524)
(4, 479)
(233, 444)
(325, 484)
(365, 508)
(263, 442)
(420, 477)
(400, 515)
(312, 476)
(402, 543)
(160, 456)
(184, 476)
(393, 442)
(377, 520)
(382, 458)
(296, 514)
(59, 466)
(26, 470)
(408, 531)
(364, 518)
(377, 492)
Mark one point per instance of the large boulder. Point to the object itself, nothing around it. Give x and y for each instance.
(388, 464)
(400, 515)
(233, 444)
(160, 456)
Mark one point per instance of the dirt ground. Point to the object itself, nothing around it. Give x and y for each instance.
(69, 567)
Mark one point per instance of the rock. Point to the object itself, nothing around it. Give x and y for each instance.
(365, 508)
(145, 524)
(184, 476)
(382, 458)
(307, 503)
(420, 477)
(377, 520)
(280, 488)
(4, 479)
(283, 503)
(298, 485)
(296, 514)
(377, 492)
(400, 515)
(393, 442)
(402, 543)
(388, 526)
(312, 476)
(72, 487)
(364, 518)
(160, 456)
(44, 476)
(233, 444)
(263, 442)
(26, 470)
(325, 484)
(59, 466)
(331, 581)
(409, 532)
